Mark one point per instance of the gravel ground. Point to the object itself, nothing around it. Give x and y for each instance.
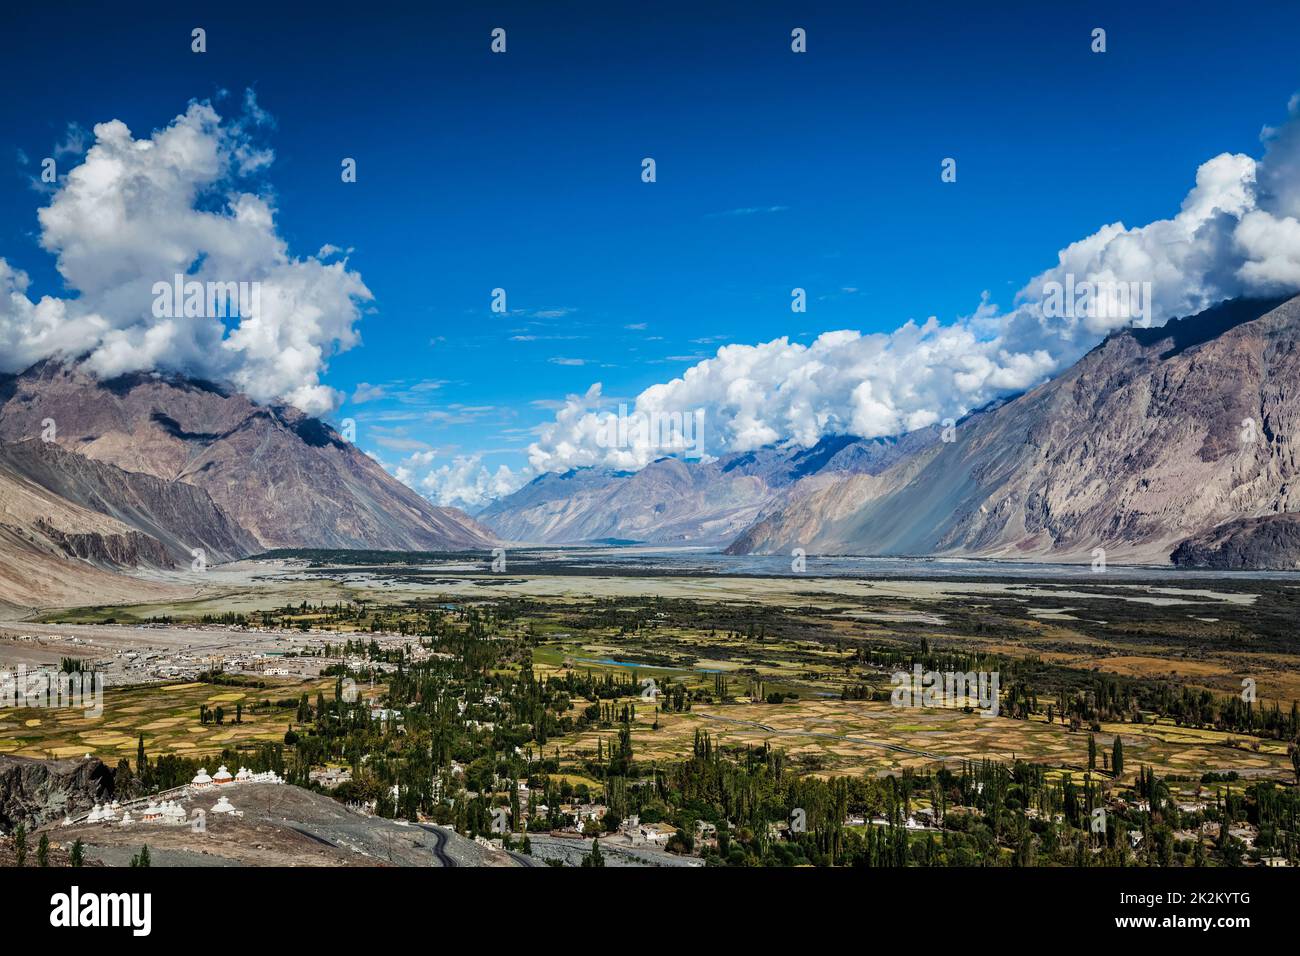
(571, 852)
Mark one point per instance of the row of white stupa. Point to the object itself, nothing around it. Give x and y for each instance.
(169, 811)
(222, 776)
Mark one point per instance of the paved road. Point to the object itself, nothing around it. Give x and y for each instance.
(523, 859)
(439, 843)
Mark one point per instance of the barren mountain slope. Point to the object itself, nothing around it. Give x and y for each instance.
(1146, 441)
(179, 515)
(56, 553)
(287, 479)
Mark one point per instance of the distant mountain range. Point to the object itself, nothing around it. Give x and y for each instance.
(1161, 445)
(674, 501)
(1171, 443)
(143, 469)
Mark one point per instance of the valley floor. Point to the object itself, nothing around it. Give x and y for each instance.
(797, 664)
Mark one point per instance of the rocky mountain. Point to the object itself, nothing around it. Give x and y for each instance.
(675, 501)
(1174, 439)
(196, 461)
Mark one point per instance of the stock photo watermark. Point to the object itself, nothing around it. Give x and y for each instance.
(1101, 299)
(922, 688)
(681, 432)
(78, 690)
(192, 299)
(75, 909)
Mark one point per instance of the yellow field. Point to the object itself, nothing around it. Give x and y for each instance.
(167, 715)
(853, 737)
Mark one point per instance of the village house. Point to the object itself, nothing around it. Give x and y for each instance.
(331, 777)
(1245, 833)
(652, 834)
(706, 834)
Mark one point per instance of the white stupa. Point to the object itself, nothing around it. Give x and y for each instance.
(244, 775)
(95, 814)
(173, 813)
(223, 806)
(108, 814)
(222, 776)
(126, 819)
(201, 779)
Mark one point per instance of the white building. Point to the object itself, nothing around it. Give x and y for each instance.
(224, 805)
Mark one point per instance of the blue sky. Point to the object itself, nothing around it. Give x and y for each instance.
(775, 170)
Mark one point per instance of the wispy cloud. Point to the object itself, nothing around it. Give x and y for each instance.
(365, 392)
(746, 211)
(402, 444)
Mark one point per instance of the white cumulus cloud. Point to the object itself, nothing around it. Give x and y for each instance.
(1237, 233)
(139, 211)
(464, 483)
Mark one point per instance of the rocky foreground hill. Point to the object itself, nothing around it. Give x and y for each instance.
(276, 825)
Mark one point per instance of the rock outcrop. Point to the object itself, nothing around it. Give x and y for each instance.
(36, 792)
(1270, 543)
(176, 516)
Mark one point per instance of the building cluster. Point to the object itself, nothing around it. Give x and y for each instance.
(159, 652)
(103, 813)
(646, 834)
(331, 777)
(169, 811)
